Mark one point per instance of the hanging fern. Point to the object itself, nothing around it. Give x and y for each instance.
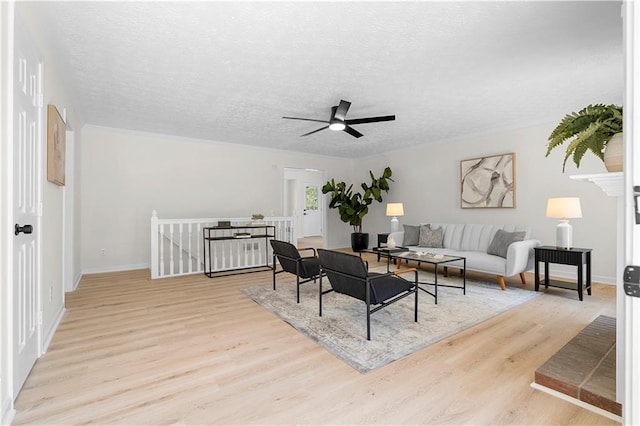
(592, 127)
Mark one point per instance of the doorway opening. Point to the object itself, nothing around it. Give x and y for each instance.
(304, 201)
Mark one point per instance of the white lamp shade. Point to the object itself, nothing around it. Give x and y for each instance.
(564, 208)
(395, 209)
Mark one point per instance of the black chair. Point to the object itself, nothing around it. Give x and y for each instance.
(305, 268)
(348, 274)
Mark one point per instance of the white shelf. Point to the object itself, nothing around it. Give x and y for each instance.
(611, 183)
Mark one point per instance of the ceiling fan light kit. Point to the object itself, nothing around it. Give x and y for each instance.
(338, 121)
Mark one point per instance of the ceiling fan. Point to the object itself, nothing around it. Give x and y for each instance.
(338, 120)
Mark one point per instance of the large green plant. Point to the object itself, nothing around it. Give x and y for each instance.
(592, 127)
(353, 207)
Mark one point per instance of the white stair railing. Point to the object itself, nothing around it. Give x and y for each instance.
(176, 244)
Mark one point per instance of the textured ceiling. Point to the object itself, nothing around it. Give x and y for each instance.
(228, 71)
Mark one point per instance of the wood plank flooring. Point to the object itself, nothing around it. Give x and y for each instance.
(195, 350)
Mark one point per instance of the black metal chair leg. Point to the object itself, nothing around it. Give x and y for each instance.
(416, 301)
(274, 271)
(320, 295)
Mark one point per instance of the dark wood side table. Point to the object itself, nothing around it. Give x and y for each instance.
(579, 257)
(382, 239)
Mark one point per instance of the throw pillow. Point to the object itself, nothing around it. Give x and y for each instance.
(430, 237)
(502, 240)
(411, 235)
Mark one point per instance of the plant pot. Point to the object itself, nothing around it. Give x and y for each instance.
(359, 241)
(613, 153)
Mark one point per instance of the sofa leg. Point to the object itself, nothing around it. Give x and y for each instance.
(523, 278)
(501, 282)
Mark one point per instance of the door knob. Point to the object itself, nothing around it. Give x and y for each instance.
(27, 229)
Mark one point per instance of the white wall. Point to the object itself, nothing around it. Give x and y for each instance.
(125, 175)
(427, 182)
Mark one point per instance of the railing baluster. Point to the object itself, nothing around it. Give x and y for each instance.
(189, 252)
(224, 255)
(180, 251)
(162, 272)
(171, 266)
(200, 263)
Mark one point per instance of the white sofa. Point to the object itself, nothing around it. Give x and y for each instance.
(472, 242)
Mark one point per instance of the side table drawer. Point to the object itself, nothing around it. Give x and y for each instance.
(559, 256)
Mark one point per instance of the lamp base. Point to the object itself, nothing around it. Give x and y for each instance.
(394, 224)
(564, 235)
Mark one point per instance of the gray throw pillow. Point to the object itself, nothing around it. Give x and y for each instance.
(502, 240)
(430, 237)
(411, 235)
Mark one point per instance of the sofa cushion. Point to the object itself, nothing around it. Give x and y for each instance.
(501, 241)
(411, 235)
(477, 237)
(453, 233)
(430, 237)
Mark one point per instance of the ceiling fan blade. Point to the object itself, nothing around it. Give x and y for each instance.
(310, 133)
(306, 119)
(341, 111)
(353, 132)
(371, 119)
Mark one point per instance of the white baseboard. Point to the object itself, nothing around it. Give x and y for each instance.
(77, 281)
(49, 336)
(8, 412)
(115, 268)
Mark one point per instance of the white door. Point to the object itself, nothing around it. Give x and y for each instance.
(312, 214)
(27, 152)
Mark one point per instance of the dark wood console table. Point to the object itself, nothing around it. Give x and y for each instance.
(579, 257)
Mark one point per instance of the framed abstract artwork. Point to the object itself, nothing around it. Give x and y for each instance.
(56, 142)
(488, 182)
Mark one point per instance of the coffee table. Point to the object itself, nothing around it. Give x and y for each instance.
(435, 260)
(389, 253)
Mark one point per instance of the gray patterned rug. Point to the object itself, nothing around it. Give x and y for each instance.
(394, 334)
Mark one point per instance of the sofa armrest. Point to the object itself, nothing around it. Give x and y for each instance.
(520, 257)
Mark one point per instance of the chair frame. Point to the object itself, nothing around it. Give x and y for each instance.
(297, 262)
(367, 282)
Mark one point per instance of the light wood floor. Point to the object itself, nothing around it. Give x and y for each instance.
(307, 242)
(195, 350)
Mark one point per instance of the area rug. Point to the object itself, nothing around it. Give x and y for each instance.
(342, 328)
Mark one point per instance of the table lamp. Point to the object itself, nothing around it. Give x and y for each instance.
(395, 210)
(564, 209)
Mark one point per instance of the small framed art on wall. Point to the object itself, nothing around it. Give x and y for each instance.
(488, 182)
(56, 134)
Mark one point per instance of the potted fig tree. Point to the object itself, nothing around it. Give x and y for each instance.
(354, 206)
(596, 128)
